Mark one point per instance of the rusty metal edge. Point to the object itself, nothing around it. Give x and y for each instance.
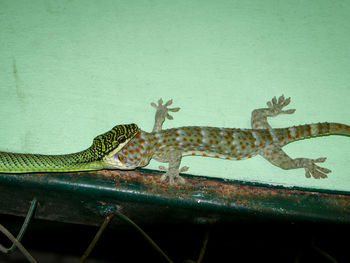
(202, 196)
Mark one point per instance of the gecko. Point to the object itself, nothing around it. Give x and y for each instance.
(170, 145)
(127, 147)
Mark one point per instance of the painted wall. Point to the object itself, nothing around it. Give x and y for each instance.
(71, 70)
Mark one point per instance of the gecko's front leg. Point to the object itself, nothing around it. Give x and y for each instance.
(173, 171)
(170, 156)
(162, 113)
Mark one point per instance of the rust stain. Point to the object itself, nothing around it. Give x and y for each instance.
(241, 194)
(217, 193)
(149, 183)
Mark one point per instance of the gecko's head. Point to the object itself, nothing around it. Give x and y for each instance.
(113, 141)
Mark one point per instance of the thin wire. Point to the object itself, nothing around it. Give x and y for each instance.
(325, 254)
(96, 238)
(16, 243)
(202, 252)
(143, 233)
(24, 226)
(204, 247)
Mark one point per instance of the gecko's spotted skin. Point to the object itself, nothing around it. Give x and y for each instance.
(233, 144)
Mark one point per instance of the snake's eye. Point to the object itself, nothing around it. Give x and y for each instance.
(121, 139)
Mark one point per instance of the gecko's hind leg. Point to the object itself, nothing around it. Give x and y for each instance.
(259, 116)
(275, 155)
(162, 113)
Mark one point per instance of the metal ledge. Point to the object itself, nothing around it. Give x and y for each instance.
(85, 198)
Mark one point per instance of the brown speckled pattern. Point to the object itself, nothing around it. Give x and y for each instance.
(234, 144)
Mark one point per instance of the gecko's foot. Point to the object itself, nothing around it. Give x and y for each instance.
(311, 169)
(275, 106)
(163, 110)
(173, 175)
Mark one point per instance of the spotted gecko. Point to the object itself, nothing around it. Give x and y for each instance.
(227, 143)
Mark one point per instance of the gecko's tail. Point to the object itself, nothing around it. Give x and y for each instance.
(313, 130)
(339, 128)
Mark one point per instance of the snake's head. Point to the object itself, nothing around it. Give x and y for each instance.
(106, 145)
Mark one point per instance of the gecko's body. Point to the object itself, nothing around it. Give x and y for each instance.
(226, 143)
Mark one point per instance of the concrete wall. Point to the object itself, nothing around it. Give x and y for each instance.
(70, 70)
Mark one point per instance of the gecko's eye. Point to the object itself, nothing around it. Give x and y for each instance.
(122, 158)
(121, 139)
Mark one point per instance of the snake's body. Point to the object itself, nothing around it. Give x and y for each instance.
(17, 162)
(98, 156)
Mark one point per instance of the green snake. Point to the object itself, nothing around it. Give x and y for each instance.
(99, 155)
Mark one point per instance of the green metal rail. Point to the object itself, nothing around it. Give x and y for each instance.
(86, 198)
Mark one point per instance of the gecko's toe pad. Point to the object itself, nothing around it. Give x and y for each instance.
(173, 175)
(311, 169)
(276, 106)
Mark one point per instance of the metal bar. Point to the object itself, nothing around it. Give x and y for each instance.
(84, 197)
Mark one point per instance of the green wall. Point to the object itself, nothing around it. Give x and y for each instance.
(71, 70)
